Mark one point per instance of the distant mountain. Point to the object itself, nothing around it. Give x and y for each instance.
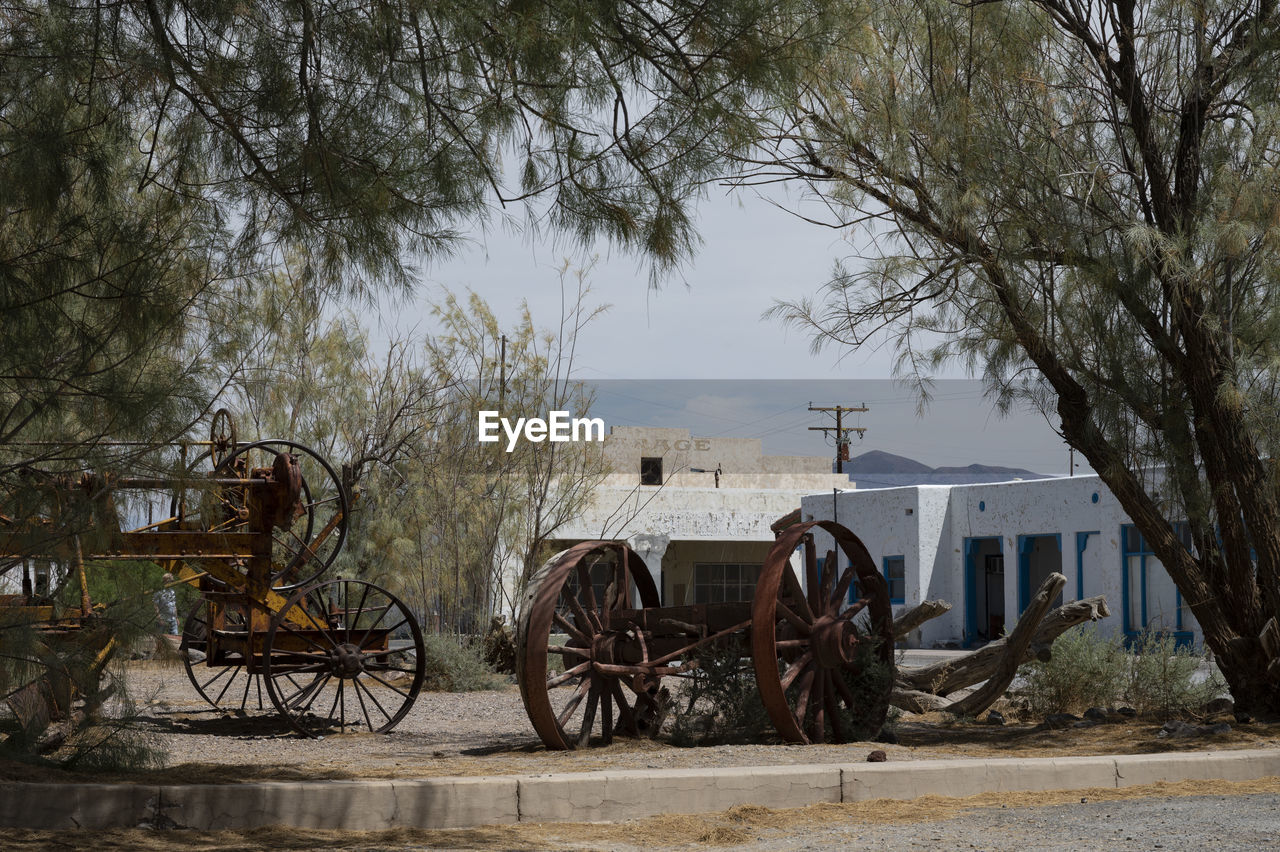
(877, 462)
(981, 468)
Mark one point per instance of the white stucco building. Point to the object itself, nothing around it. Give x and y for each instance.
(697, 510)
(986, 549)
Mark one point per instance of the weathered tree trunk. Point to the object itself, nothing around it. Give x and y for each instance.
(949, 675)
(913, 618)
(1016, 645)
(925, 688)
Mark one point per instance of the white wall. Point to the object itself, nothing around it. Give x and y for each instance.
(932, 538)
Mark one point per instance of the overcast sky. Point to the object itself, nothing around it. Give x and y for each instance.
(707, 325)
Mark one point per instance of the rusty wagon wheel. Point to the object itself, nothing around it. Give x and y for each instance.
(824, 664)
(222, 436)
(305, 545)
(226, 684)
(570, 621)
(343, 655)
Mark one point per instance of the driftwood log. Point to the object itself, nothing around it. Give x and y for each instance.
(913, 618)
(925, 688)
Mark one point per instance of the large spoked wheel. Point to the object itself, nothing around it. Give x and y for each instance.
(343, 655)
(823, 659)
(305, 546)
(569, 679)
(226, 684)
(222, 436)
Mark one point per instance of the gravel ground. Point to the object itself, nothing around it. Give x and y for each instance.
(1184, 824)
(488, 733)
(466, 733)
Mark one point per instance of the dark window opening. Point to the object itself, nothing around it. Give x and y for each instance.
(895, 572)
(651, 470)
(717, 583)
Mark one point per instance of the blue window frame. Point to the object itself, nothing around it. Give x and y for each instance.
(1082, 544)
(894, 569)
(1149, 598)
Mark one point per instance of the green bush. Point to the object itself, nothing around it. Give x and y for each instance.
(453, 667)
(1153, 676)
(1086, 670)
(1162, 678)
(720, 703)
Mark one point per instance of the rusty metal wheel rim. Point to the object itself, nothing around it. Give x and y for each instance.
(222, 436)
(805, 652)
(296, 558)
(225, 686)
(549, 596)
(339, 676)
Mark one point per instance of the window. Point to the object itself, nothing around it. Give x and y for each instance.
(1151, 600)
(720, 582)
(895, 573)
(651, 470)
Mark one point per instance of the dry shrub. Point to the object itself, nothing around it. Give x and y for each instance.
(1154, 675)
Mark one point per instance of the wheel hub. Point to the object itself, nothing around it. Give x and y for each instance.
(834, 642)
(347, 660)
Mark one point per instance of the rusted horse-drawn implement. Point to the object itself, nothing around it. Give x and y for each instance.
(256, 527)
(593, 642)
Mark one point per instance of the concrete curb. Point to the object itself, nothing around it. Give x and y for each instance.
(588, 796)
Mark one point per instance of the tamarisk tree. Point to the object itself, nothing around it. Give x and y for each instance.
(1080, 199)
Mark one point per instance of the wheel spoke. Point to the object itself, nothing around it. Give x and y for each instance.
(829, 565)
(801, 709)
(302, 700)
(811, 573)
(846, 694)
(364, 711)
(854, 608)
(833, 708)
(583, 619)
(389, 685)
(802, 627)
(569, 628)
(606, 715)
(585, 587)
(305, 636)
(795, 668)
(568, 675)
(373, 698)
(337, 698)
(793, 592)
(230, 674)
(846, 580)
(572, 704)
(819, 696)
(589, 715)
(626, 716)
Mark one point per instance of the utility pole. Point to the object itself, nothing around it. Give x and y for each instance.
(842, 431)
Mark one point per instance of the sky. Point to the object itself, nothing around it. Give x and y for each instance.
(697, 353)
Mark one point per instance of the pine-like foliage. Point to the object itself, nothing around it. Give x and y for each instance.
(1080, 201)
